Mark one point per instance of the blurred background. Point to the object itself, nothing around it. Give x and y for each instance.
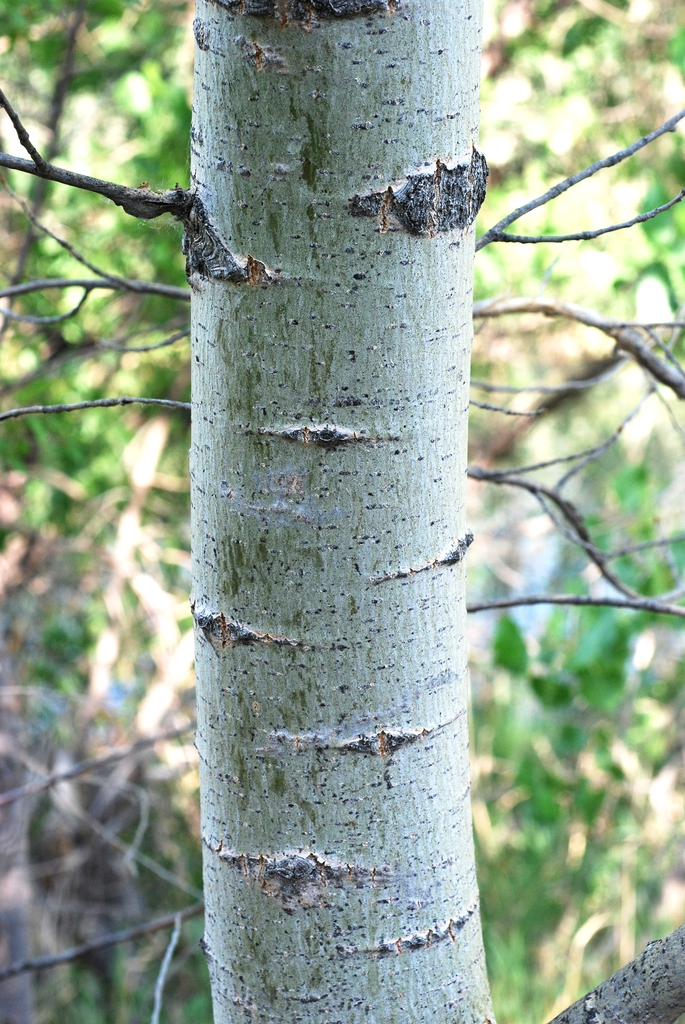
(578, 713)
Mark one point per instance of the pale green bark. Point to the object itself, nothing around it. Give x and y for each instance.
(332, 332)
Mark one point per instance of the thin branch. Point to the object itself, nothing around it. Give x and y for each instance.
(23, 135)
(59, 318)
(650, 988)
(99, 403)
(605, 445)
(645, 545)
(111, 347)
(164, 969)
(72, 250)
(585, 236)
(503, 409)
(108, 835)
(563, 186)
(570, 513)
(138, 202)
(168, 291)
(596, 450)
(550, 389)
(89, 765)
(642, 604)
(59, 97)
(626, 338)
(113, 939)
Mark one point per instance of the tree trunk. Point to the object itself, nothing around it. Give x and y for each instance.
(330, 252)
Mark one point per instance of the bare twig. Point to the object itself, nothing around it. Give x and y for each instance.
(113, 939)
(89, 765)
(645, 545)
(584, 236)
(550, 389)
(164, 969)
(59, 318)
(641, 604)
(39, 164)
(111, 347)
(52, 125)
(99, 403)
(626, 338)
(503, 409)
(581, 536)
(72, 250)
(138, 202)
(563, 186)
(168, 291)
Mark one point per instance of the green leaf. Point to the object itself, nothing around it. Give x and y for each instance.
(550, 692)
(509, 646)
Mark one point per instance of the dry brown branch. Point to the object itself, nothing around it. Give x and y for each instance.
(626, 338)
(114, 938)
(142, 203)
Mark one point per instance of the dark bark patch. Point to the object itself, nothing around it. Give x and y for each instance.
(222, 631)
(208, 256)
(325, 435)
(384, 742)
(299, 879)
(308, 11)
(381, 743)
(451, 556)
(428, 203)
(263, 58)
(425, 939)
(201, 33)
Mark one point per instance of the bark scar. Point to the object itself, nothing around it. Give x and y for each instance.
(299, 879)
(428, 202)
(325, 435)
(263, 58)
(222, 631)
(425, 939)
(307, 11)
(208, 256)
(382, 743)
(452, 556)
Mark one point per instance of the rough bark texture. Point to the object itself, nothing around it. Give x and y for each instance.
(649, 990)
(330, 251)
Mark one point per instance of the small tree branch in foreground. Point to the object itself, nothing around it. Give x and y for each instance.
(168, 291)
(22, 134)
(562, 186)
(586, 236)
(138, 202)
(164, 969)
(98, 403)
(113, 939)
(626, 338)
(642, 604)
(503, 409)
(90, 764)
(649, 990)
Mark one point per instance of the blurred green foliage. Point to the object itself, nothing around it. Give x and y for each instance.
(577, 713)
